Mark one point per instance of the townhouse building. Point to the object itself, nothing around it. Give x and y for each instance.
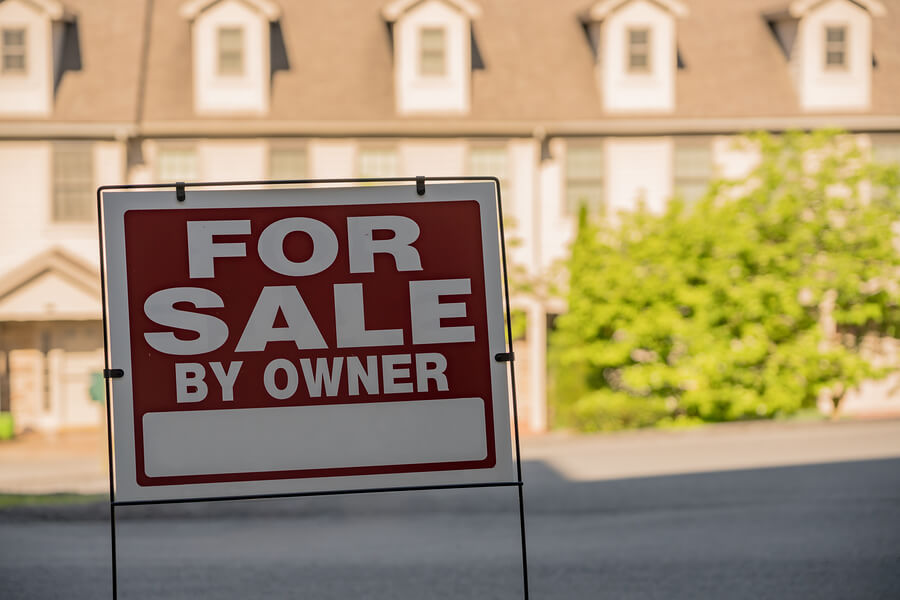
(569, 102)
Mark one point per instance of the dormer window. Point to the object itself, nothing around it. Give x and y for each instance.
(432, 52)
(432, 46)
(634, 46)
(828, 47)
(232, 54)
(231, 51)
(14, 51)
(836, 47)
(33, 51)
(639, 50)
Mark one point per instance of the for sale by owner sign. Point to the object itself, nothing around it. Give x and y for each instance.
(283, 341)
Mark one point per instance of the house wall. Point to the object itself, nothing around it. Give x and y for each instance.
(436, 158)
(51, 357)
(232, 160)
(26, 177)
(332, 159)
(46, 376)
(638, 170)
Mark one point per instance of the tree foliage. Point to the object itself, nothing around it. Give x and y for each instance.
(748, 304)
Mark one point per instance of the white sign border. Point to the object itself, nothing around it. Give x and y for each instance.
(115, 202)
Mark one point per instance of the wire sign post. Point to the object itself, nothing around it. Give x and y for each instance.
(298, 341)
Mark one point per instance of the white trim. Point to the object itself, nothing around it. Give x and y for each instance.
(444, 127)
(190, 10)
(799, 8)
(601, 10)
(53, 260)
(54, 10)
(393, 11)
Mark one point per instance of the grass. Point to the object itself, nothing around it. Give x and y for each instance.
(11, 500)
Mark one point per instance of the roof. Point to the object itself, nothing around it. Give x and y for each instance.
(57, 260)
(538, 67)
(52, 285)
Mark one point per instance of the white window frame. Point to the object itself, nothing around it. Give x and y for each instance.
(633, 49)
(13, 51)
(73, 192)
(422, 62)
(186, 151)
(841, 47)
(372, 151)
(597, 178)
(298, 149)
(502, 172)
(229, 71)
(692, 177)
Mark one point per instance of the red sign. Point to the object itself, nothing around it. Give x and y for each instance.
(313, 338)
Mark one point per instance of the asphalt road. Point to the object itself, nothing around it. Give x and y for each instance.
(817, 531)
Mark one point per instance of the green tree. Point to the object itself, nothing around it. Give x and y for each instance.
(748, 304)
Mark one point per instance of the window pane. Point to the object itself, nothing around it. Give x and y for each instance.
(176, 164)
(13, 37)
(490, 162)
(378, 162)
(584, 162)
(638, 36)
(637, 62)
(834, 58)
(431, 60)
(584, 194)
(231, 51)
(886, 149)
(638, 49)
(13, 51)
(287, 163)
(835, 46)
(693, 161)
(693, 169)
(73, 182)
(584, 178)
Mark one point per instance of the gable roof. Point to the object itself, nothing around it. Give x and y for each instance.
(604, 8)
(56, 279)
(798, 8)
(395, 9)
(190, 10)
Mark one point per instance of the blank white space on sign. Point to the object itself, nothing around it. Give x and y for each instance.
(313, 437)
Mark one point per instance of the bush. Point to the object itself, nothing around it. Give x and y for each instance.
(747, 305)
(6, 426)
